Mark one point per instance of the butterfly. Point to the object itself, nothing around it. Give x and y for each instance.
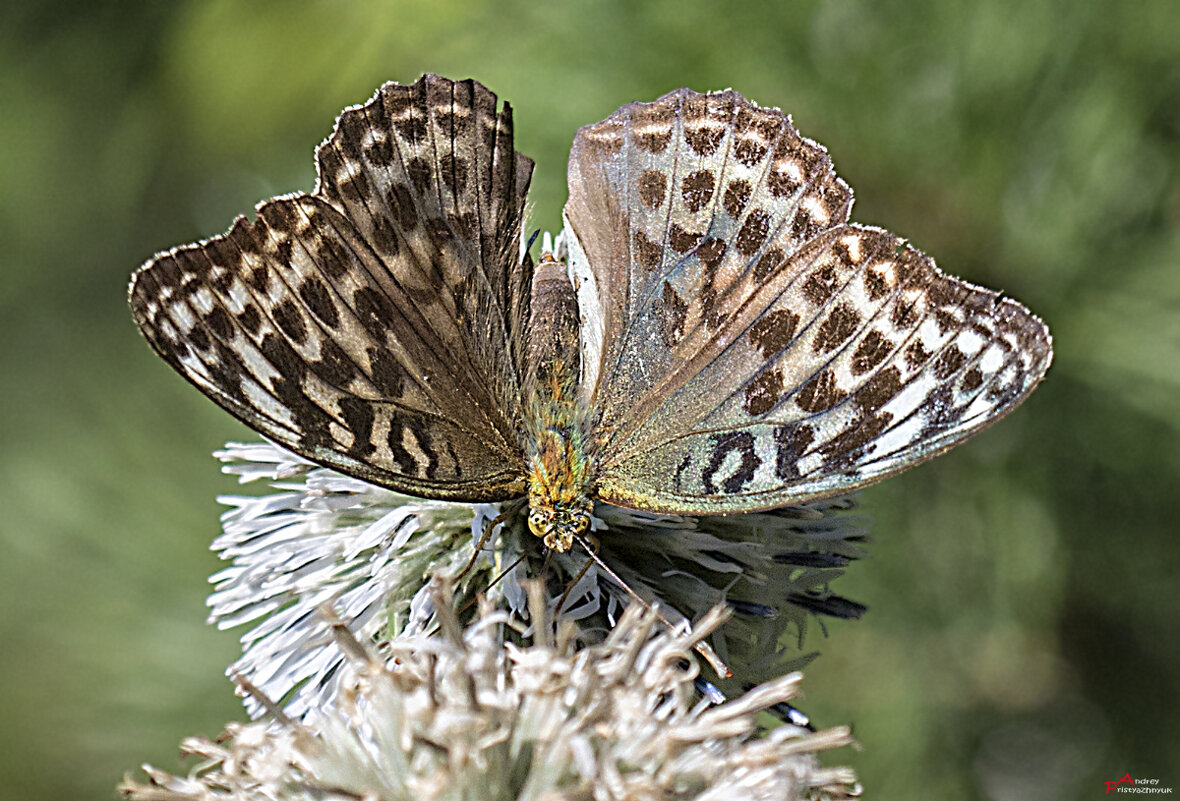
(715, 336)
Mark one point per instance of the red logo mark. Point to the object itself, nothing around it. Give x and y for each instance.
(1111, 785)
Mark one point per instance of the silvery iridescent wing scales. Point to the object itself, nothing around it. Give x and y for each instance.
(373, 325)
(746, 346)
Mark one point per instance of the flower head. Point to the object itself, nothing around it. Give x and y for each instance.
(322, 536)
(466, 714)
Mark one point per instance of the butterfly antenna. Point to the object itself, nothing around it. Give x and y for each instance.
(701, 647)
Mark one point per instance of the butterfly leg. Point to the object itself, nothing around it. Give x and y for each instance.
(494, 581)
(484, 536)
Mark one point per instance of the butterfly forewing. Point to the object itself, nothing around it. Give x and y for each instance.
(431, 167)
(683, 207)
(369, 326)
(763, 351)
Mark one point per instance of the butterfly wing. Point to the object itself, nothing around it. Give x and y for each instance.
(745, 346)
(371, 326)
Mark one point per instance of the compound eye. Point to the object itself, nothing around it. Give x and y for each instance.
(581, 523)
(537, 521)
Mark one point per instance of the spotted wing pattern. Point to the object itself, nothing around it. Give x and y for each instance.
(374, 325)
(745, 346)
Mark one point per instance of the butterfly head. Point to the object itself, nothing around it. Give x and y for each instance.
(558, 526)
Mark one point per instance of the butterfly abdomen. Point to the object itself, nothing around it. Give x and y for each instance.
(553, 329)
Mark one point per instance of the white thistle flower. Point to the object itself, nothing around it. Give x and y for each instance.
(466, 715)
(326, 537)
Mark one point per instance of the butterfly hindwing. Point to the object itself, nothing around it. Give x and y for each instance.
(855, 371)
(777, 353)
(368, 326)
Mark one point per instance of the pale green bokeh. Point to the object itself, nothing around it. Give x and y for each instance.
(1024, 623)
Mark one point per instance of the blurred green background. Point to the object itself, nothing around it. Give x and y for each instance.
(1023, 639)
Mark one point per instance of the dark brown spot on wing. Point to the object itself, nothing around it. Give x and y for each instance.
(399, 427)
(421, 174)
(782, 183)
(723, 445)
(790, 444)
(905, 313)
(972, 380)
(375, 311)
(259, 277)
(358, 419)
(649, 253)
(440, 230)
(290, 321)
(770, 261)
(334, 366)
(199, 339)
(697, 189)
(401, 203)
(846, 447)
(880, 389)
(380, 153)
(227, 371)
(837, 328)
(704, 124)
(705, 120)
(945, 320)
(354, 186)
(711, 252)
(384, 236)
(282, 356)
(916, 354)
(651, 188)
(763, 392)
(672, 317)
(453, 171)
(681, 240)
(653, 128)
(737, 195)
(251, 319)
(773, 331)
(753, 232)
(820, 393)
(315, 294)
(387, 372)
(678, 477)
(949, 362)
(876, 284)
(334, 258)
(938, 410)
(411, 128)
(219, 323)
(821, 284)
(750, 151)
(872, 351)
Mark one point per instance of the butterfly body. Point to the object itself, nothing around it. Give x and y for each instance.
(720, 338)
(555, 442)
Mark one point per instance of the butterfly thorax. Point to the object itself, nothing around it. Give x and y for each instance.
(558, 465)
